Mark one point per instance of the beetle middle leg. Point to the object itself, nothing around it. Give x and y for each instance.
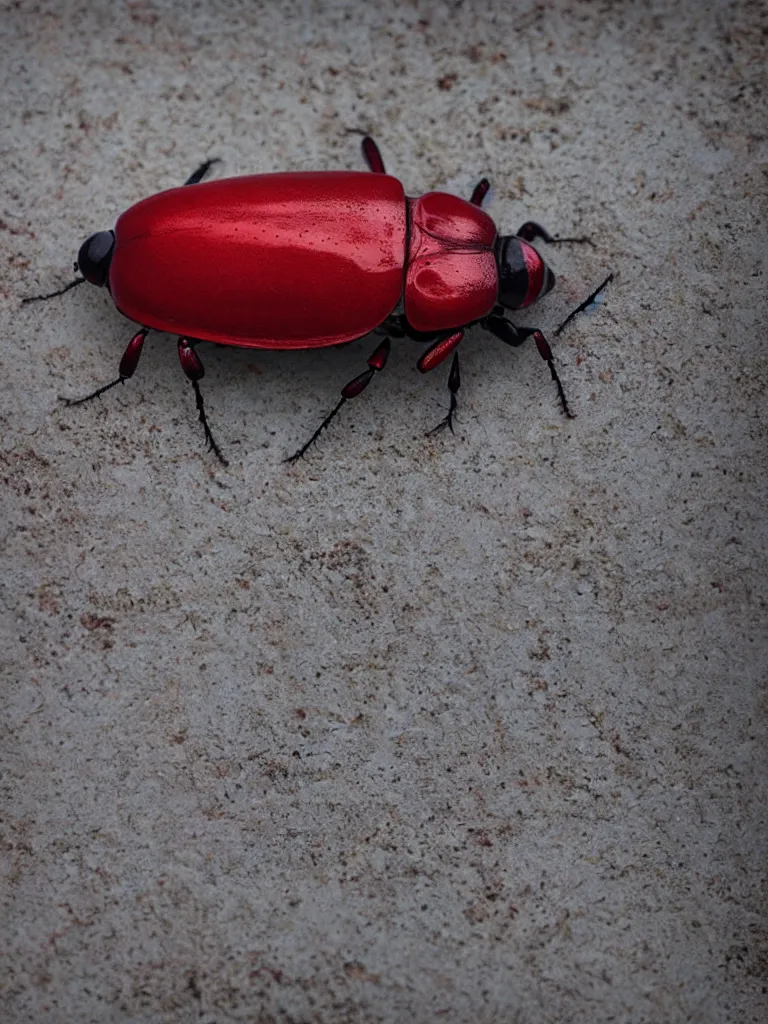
(480, 191)
(435, 355)
(376, 363)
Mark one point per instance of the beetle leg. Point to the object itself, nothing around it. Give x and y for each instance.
(497, 324)
(454, 383)
(530, 231)
(195, 371)
(435, 355)
(546, 354)
(514, 336)
(127, 367)
(439, 352)
(373, 156)
(376, 363)
(197, 176)
(480, 191)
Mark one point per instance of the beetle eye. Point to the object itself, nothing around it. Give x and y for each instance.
(95, 256)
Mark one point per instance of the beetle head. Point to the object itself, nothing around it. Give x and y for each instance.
(95, 256)
(524, 277)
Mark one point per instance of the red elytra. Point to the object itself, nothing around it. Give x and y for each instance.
(267, 261)
(302, 260)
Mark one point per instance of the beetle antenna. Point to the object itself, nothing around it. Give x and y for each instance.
(52, 295)
(584, 305)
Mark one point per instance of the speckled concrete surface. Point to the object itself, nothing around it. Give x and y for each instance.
(461, 729)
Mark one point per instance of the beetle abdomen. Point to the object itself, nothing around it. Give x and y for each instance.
(268, 261)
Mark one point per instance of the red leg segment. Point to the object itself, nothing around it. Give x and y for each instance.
(373, 156)
(480, 191)
(127, 367)
(376, 363)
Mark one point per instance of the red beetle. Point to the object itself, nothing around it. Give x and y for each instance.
(303, 260)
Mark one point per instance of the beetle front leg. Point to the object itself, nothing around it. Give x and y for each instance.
(376, 363)
(546, 354)
(515, 336)
(195, 371)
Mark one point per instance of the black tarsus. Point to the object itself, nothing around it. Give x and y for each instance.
(212, 446)
(303, 450)
(560, 392)
(546, 354)
(376, 362)
(454, 383)
(514, 336)
(95, 394)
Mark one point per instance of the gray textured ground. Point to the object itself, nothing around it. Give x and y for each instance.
(461, 729)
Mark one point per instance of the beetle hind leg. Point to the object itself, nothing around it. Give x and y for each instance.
(127, 368)
(195, 371)
(376, 363)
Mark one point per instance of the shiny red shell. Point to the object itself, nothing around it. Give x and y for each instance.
(451, 278)
(301, 260)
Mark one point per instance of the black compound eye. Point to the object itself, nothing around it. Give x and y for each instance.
(95, 256)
